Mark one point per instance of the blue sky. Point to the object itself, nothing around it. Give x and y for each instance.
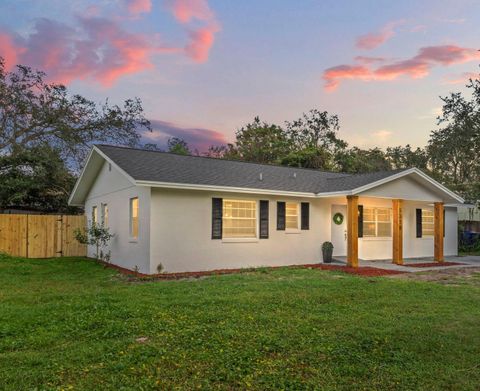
(205, 68)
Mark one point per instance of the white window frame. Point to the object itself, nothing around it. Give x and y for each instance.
(293, 230)
(426, 235)
(240, 238)
(104, 208)
(130, 220)
(376, 222)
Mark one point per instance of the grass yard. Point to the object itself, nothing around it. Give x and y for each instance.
(71, 324)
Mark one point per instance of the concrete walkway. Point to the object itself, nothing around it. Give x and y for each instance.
(386, 264)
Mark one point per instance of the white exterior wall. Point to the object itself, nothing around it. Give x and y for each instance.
(175, 227)
(115, 190)
(181, 233)
(182, 225)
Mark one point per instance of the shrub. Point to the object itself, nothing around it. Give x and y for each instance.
(96, 235)
(326, 246)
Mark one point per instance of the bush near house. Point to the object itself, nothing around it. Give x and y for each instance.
(72, 324)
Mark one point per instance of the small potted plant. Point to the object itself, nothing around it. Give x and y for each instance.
(327, 252)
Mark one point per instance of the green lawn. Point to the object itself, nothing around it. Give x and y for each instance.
(71, 324)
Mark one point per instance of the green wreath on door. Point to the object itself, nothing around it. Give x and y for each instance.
(338, 218)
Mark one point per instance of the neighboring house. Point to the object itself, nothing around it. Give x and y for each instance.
(469, 216)
(178, 213)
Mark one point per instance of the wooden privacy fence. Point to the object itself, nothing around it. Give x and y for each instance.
(41, 236)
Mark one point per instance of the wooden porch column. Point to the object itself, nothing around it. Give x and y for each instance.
(397, 251)
(352, 231)
(438, 232)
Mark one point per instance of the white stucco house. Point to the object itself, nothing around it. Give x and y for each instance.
(174, 213)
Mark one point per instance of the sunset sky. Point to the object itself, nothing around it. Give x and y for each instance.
(205, 68)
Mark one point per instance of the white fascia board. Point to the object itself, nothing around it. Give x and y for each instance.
(85, 167)
(186, 186)
(77, 183)
(405, 173)
(333, 194)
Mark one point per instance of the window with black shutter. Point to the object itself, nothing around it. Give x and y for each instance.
(360, 221)
(263, 219)
(281, 216)
(217, 218)
(444, 223)
(419, 222)
(305, 216)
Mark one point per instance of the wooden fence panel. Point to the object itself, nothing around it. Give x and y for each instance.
(13, 235)
(41, 236)
(70, 246)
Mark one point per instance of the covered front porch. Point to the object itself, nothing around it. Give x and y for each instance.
(405, 215)
(392, 222)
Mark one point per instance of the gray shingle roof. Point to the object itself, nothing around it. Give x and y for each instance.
(351, 182)
(143, 165)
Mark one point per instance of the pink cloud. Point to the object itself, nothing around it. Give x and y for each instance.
(416, 67)
(186, 10)
(201, 41)
(98, 49)
(9, 50)
(201, 38)
(332, 76)
(373, 40)
(137, 7)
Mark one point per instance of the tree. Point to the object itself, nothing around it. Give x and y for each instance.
(34, 112)
(316, 129)
(453, 148)
(314, 139)
(357, 161)
(219, 151)
(178, 146)
(310, 157)
(95, 235)
(406, 157)
(35, 178)
(259, 142)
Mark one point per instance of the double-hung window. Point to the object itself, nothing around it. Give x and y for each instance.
(134, 218)
(377, 222)
(239, 219)
(427, 222)
(291, 215)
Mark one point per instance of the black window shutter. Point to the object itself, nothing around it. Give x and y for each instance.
(217, 213)
(280, 216)
(419, 223)
(360, 221)
(444, 223)
(305, 216)
(263, 219)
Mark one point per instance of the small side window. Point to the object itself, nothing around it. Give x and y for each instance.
(134, 218)
(94, 214)
(105, 215)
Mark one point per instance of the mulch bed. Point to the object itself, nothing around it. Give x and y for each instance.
(360, 271)
(433, 264)
(364, 271)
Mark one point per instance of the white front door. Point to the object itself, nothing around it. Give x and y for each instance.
(339, 231)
